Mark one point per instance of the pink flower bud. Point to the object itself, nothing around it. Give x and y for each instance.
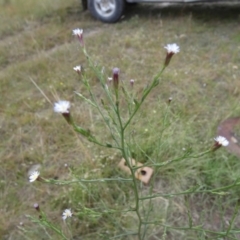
(36, 206)
(132, 82)
(116, 77)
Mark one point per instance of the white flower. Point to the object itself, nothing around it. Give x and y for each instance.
(62, 106)
(66, 213)
(77, 68)
(77, 32)
(221, 141)
(34, 176)
(172, 48)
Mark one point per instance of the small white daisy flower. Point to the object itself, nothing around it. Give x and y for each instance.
(66, 213)
(62, 106)
(77, 69)
(77, 32)
(172, 48)
(34, 176)
(221, 141)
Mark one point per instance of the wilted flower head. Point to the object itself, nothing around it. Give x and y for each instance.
(222, 141)
(77, 69)
(66, 213)
(62, 107)
(34, 176)
(79, 33)
(171, 50)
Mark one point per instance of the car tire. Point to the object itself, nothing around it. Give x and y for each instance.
(108, 11)
(84, 5)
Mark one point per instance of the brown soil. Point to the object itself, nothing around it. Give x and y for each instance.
(228, 129)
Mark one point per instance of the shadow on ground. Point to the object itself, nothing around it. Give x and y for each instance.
(201, 12)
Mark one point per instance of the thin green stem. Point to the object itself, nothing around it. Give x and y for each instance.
(200, 229)
(126, 156)
(185, 156)
(145, 94)
(99, 75)
(124, 235)
(103, 117)
(94, 99)
(101, 180)
(163, 129)
(236, 210)
(218, 191)
(44, 222)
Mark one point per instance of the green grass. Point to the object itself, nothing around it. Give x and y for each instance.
(36, 44)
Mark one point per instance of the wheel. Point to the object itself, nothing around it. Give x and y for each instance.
(108, 11)
(84, 5)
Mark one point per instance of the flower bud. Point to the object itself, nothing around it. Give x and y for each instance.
(36, 206)
(132, 82)
(116, 77)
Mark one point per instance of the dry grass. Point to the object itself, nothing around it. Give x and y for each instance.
(203, 80)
